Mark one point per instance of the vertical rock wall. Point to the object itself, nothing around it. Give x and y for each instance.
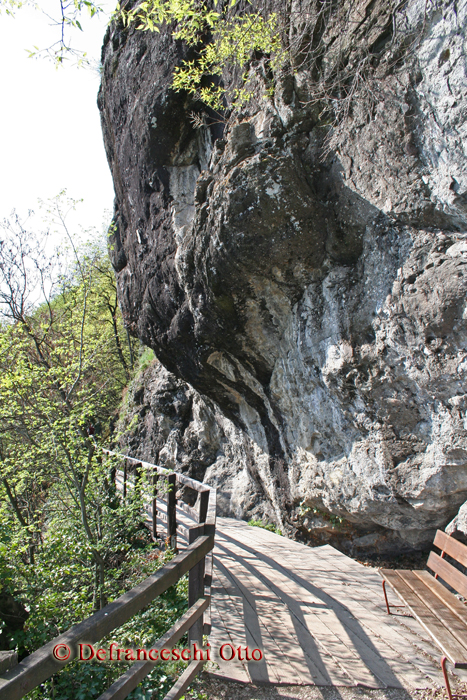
(308, 285)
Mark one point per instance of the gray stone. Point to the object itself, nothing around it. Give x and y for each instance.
(165, 421)
(459, 523)
(367, 541)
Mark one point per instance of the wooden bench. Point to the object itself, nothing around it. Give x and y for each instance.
(438, 610)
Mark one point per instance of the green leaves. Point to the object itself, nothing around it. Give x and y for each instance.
(266, 526)
(233, 40)
(62, 371)
(69, 543)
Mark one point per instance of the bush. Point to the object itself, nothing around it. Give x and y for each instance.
(265, 526)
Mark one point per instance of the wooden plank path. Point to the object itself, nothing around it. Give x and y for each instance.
(318, 616)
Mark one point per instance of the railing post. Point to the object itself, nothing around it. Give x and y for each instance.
(125, 469)
(209, 529)
(203, 506)
(196, 588)
(172, 511)
(155, 479)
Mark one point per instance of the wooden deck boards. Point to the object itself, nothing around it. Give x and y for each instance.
(317, 615)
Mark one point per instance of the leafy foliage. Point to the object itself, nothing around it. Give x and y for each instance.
(62, 372)
(220, 38)
(336, 521)
(236, 40)
(322, 52)
(265, 526)
(69, 542)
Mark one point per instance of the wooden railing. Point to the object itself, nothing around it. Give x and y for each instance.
(203, 513)
(196, 559)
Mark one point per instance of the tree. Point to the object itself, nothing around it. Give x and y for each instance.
(233, 39)
(63, 367)
(69, 542)
(66, 19)
(221, 37)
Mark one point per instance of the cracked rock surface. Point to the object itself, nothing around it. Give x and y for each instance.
(304, 290)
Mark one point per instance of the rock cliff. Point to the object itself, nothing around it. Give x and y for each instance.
(304, 285)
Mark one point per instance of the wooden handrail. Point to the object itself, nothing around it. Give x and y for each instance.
(181, 478)
(41, 664)
(195, 559)
(135, 674)
(184, 681)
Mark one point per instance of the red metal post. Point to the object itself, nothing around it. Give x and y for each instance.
(386, 597)
(446, 679)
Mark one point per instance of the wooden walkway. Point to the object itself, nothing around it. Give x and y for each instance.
(317, 615)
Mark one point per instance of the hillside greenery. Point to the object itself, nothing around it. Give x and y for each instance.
(69, 542)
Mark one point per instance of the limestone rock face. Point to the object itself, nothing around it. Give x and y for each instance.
(458, 526)
(306, 287)
(165, 421)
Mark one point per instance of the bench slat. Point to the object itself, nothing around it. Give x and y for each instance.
(456, 653)
(444, 595)
(448, 573)
(431, 600)
(451, 546)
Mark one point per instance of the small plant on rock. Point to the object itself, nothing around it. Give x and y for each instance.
(266, 526)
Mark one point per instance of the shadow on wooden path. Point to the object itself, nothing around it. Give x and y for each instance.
(317, 616)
